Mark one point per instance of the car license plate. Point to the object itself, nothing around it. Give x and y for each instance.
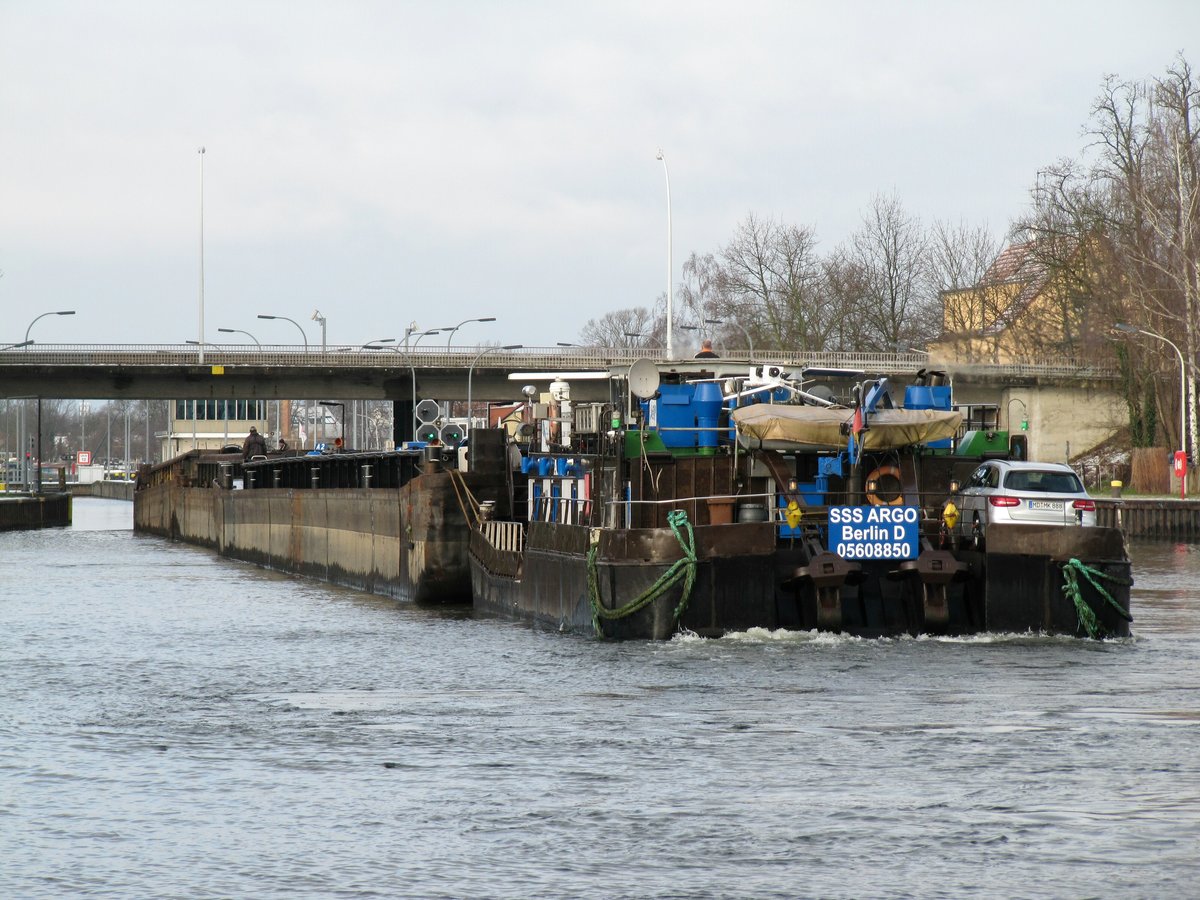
(1048, 505)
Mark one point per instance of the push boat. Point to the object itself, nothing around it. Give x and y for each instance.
(710, 497)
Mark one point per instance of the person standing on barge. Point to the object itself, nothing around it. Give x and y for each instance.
(254, 445)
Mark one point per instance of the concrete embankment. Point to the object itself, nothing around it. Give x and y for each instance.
(24, 511)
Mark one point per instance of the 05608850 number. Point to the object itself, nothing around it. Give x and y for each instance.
(872, 550)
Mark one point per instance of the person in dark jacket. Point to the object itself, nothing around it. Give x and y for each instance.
(706, 350)
(254, 445)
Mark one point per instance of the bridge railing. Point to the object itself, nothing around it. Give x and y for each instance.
(565, 358)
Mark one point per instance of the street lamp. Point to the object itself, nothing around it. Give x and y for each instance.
(450, 336)
(1024, 413)
(201, 334)
(303, 335)
(343, 406)
(471, 371)
(670, 261)
(61, 312)
(294, 322)
(17, 346)
(749, 340)
(637, 335)
(239, 331)
(420, 334)
(1132, 329)
(24, 407)
(412, 330)
(412, 370)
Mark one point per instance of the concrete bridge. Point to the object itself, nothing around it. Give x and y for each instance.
(1071, 405)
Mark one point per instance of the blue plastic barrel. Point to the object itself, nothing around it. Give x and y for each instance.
(706, 404)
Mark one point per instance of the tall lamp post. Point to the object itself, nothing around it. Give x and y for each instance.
(1132, 329)
(749, 340)
(670, 261)
(201, 334)
(25, 467)
(471, 371)
(451, 331)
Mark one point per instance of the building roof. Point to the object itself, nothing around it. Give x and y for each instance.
(1018, 265)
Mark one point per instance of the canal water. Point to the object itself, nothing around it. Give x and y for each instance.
(173, 724)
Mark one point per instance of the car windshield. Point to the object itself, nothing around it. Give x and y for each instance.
(1044, 482)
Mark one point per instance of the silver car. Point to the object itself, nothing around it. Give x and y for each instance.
(1003, 492)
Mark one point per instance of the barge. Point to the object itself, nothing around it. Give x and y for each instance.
(707, 497)
(387, 522)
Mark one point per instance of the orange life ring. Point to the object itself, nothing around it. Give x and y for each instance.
(879, 473)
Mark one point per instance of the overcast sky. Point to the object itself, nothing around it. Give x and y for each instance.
(391, 162)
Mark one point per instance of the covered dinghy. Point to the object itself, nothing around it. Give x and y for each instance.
(779, 427)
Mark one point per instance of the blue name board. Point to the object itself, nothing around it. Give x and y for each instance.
(875, 532)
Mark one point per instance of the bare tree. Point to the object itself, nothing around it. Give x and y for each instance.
(961, 261)
(701, 292)
(959, 255)
(847, 289)
(614, 329)
(771, 280)
(891, 249)
(1134, 217)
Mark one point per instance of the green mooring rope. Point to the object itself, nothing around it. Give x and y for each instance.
(682, 569)
(1074, 591)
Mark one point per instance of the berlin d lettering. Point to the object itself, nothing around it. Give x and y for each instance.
(874, 532)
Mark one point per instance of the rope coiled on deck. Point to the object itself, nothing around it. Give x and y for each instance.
(683, 569)
(1072, 570)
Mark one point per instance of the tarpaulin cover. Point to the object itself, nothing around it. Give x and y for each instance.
(779, 427)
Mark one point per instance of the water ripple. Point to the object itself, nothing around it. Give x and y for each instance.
(174, 724)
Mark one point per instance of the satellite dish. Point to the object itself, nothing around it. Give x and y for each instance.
(824, 391)
(451, 434)
(427, 433)
(643, 379)
(428, 411)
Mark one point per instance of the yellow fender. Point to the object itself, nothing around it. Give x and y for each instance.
(950, 514)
